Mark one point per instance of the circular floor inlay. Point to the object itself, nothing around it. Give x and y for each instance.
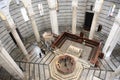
(65, 64)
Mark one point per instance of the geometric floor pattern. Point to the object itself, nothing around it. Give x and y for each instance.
(39, 68)
(58, 76)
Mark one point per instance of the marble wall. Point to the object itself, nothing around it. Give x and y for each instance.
(6, 38)
(105, 20)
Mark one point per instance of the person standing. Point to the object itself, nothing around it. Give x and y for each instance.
(43, 51)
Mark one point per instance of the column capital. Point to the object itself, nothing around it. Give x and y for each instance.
(26, 3)
(52, 4)
(8, 26)
(30, 10)
(5, 15)
(98, 5)
(75, 3)
(28, 6)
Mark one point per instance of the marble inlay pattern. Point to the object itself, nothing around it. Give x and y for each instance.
(59, 76)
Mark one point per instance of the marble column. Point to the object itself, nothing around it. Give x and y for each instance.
(28, 6)
(74, 15)
(35, 28)
(53, 16)
(19, 41)
(113, 37)
(9, 64)
(93, 27)
(97, 9)
(11, 27)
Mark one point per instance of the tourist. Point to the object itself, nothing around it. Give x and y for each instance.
(43, 51)
(36, 50)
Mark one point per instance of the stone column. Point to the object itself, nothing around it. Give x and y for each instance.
(28, 5)
(9, 21)
(113, 37)
(53, 16)
(74, 15)
(9, 65)
(97, 9)
(19, 41)
(35, 28)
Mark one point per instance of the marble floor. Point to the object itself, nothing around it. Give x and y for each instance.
(39, 68)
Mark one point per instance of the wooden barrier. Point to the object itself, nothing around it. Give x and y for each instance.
(95, 45)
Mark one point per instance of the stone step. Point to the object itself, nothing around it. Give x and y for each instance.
(102, 75)
(17, 57)
(23, 66)
(45, 58)
(90, 75)
(14, 55)
(105, 64)
(96, 78)
(38, 59)
(110, 64)
(20, 58)
(101, 66)
(32, 58)
(42, 73)
(97, 73)
(35, 59)
(27, 71)
(50, 59)
(115, 60)
(84, 74)
(37, 72)
(47, 72)
(108, 74)
(118, 58)
(31, 73)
